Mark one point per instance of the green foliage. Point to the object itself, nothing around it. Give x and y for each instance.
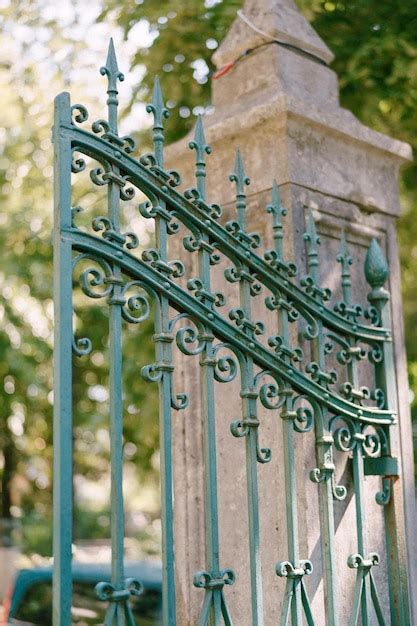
(185, 34)
(26, 312)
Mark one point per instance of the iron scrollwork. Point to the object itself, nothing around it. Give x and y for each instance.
(297, 384)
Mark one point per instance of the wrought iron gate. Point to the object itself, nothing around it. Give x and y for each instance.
(299, 387)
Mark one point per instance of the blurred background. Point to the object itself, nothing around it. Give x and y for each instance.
(47, 47)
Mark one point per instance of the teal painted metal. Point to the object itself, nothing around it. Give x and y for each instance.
(302, 389)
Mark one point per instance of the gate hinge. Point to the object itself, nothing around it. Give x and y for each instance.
(381, 466)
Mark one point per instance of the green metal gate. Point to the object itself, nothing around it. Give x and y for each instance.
(301, 388)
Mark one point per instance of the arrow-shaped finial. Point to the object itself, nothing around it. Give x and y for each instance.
(312, 241)
(159, 111)
(276, 200)
(157, 106)
(240, 178)
(201, 147)
(111, 70)
(277, 211)
(199, 142)
(346, 261)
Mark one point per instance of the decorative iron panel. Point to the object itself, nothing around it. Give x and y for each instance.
(297, 385)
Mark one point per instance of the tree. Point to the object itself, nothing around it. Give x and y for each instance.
(27, 88)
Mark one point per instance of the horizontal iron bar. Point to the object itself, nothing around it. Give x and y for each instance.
(188, 213)
(184, 302)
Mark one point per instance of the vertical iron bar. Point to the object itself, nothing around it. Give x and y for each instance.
(207, 362)
(249, 397)
(63, 333)
(249, 411)
(376, 272)
(358, 483)
(323, 445)
(288, 431)
(324, 441)
(115, 300)
(163, 340)
(210, 476)
(210, 448)
(164, 356)
(357, 453)
(116, 409)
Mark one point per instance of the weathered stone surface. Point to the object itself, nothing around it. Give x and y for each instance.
(279, 19)
(282, 109)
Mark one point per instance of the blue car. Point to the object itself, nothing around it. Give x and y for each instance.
(29, 599)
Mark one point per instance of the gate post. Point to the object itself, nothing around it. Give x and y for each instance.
(280, 104)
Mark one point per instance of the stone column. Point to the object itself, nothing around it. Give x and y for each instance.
(280, 104)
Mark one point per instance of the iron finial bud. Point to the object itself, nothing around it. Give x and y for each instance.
(376, 268)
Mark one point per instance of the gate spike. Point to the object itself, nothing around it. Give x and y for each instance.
(201, 147)
(159, 111)
(277, 211)
(240, 178)
(312, 241)
(111, 70)
(346, 261)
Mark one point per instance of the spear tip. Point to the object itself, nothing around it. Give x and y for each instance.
(111, 68)
(276, 198)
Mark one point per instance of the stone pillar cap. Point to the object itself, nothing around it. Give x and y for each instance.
(276, 19)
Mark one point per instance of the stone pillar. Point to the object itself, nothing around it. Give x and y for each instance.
(280, 104)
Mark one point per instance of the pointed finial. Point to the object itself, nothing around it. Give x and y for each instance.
(240, 178)
(346, 261)
(376, 268)
(201, 147)
(312, 241)
(277, 211)
(111, 70)
(159, 111)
